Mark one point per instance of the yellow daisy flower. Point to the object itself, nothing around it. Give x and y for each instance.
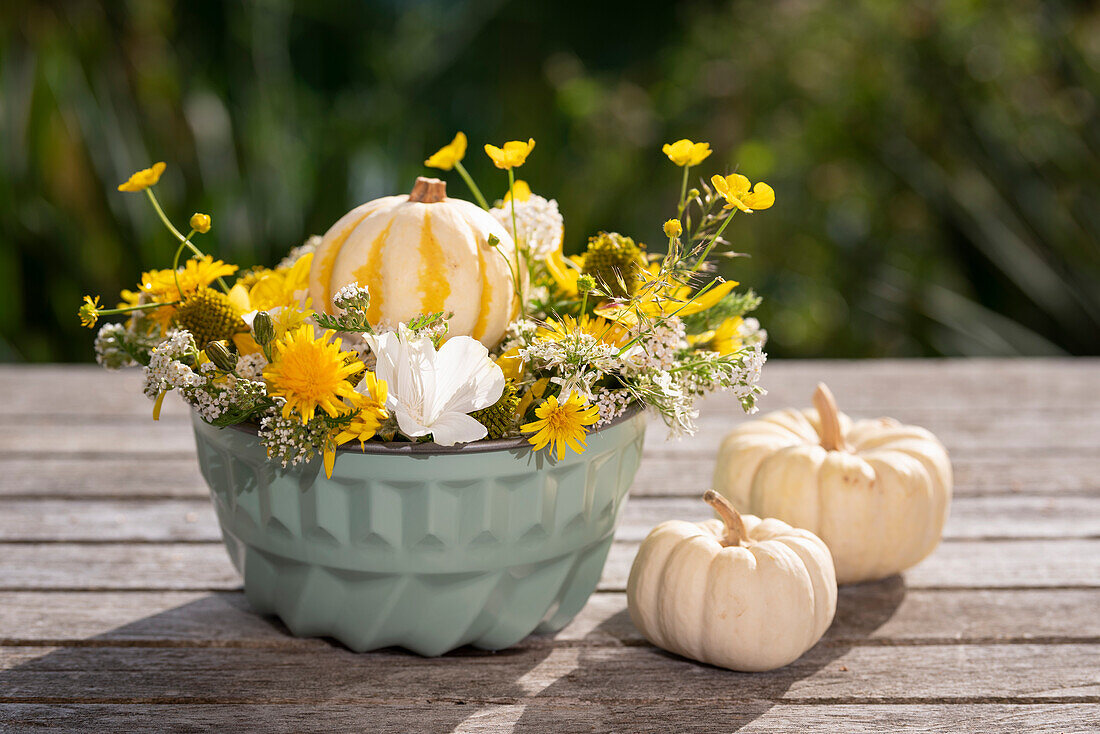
(278, 287)
(89, 312)
(144, 178)
(565, 272)
(446, 157)
(734, 188)
(512, 155)
(686, 153)
(311, 373)
(561, 423)
(598, 327)
(159, 286)
(371, 411)
(724, 340)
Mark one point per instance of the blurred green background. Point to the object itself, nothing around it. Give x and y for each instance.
(937, 164)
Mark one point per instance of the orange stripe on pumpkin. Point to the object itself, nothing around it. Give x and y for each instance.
(329, 262)
(370, 275)
(482, 324)
(434, 286)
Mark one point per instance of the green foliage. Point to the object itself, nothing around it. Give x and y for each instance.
(935, 163)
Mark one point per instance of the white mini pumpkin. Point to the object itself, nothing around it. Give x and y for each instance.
(421, 253)
(876, 491)
(740, 592)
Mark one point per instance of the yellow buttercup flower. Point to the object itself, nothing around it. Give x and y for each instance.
(446, 157)
(311, 373)
(673, 228)
(200, 222)
(686, 153)
(521, 189)
(725, 339)
(89, 312)
(565, 272)
(561, 424)
(602, 330)
(511, 364)
(144, 178)
(512, 155)
(371, 411)
(734, 188)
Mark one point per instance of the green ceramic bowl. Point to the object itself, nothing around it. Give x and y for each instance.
(418, 545)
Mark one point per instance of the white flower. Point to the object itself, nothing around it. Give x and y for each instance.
(433, 391)
(538, 221)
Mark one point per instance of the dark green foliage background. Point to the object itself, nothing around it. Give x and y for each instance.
(936, 162)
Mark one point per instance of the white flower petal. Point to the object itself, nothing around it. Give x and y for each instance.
(452, 428)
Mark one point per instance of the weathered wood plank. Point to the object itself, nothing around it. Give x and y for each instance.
(861, 386)
(140, 476)
(1001, 516)
(959, 564)
(184, 566)
(882, 613)
(828, 674)
(552, 715)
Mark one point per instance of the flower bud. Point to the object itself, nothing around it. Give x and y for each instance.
(200, 222)
(219, 354)
(693, 194)
(673, 228)
(585, 283)
(263, 328)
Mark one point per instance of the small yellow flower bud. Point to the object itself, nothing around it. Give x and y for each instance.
(200, 222)
(263, 328)
(693, 194)
(218, 353)
(673, 228)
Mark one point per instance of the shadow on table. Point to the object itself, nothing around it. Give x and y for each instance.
(215, 651)
(670, 693)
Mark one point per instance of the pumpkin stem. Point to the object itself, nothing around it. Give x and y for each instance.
(831, 437)
(735, 526)
(428, 190)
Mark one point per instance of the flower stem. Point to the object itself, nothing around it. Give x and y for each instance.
(473, 186)
(176, 263)
(515, 238)
(683, 193)
(130, 309)
(186, 241)
(710, 245)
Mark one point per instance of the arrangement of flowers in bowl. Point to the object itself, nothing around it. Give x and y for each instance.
(420, 428)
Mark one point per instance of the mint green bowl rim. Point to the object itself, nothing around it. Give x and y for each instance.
(429, 448)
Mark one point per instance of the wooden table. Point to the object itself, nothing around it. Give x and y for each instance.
(119, 609)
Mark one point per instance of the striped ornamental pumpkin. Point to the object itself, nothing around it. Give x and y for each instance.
(417, 254)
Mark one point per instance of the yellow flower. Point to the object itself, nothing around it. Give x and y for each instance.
(565, 272)
(446, 157)
(511, 364)
(159, 286)
(602, 330)
(734, 188)
(370, 412)
(521, 189)
(89, 312)
(724, 340)
(200, 222)
(279, 287)
(311, 373)
(144, 178)
(686, 153)
(662, 301)
(512, 155)
(561, 423)
(673, 228)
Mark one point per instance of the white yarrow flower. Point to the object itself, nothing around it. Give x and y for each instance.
(434, 391)
(538, 222)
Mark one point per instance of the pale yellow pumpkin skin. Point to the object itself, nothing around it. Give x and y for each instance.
(880, 504)
(752, 607)
(420, 257)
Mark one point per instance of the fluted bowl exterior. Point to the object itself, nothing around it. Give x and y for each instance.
(426, 550)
